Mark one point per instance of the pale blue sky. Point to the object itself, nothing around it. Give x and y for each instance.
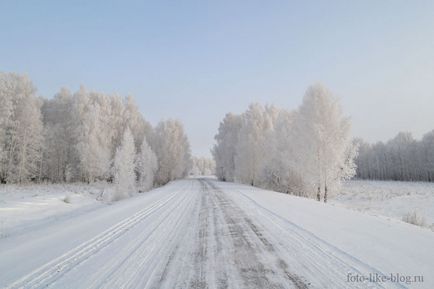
(197, 60)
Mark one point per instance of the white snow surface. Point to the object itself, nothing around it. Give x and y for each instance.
(28, 205)
(389, 198)
(201, 233)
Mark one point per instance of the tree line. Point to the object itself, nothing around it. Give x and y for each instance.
(306, 152)
(402, 159)
(85, 136)
(202, 166)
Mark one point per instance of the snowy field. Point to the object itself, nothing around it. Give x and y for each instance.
(201, 233)
(390, 198)
(32, 205)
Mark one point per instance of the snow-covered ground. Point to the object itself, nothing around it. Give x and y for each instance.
(22, 206)
(389, 198)
(201, 233)
(31, 205)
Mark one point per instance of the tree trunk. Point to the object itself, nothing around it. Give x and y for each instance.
(325, 194)
(318, 195)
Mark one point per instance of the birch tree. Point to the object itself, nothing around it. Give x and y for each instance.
(124, 175)
(92, 146)
(324, 141)
(21, 130)
(307, 152)
(224, 151)
(59, 158)
(146, 166)
(172, 148)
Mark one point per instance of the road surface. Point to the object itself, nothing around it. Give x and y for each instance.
(189, 234)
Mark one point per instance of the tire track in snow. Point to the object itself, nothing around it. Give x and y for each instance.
(252, 248)
(323, 262)
(142, 267)
(177, 268)
(50, 272)
(222, 249)
(127, 264)
(222, 258)
(201, 254)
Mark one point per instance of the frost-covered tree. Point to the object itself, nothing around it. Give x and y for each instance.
(21, 131)
(146, 166)
(83, 132)
(75, 137)
(125, 113)
(172, 148)
(402, 158)
(224, 151)
(124, 175)
(324, 142)
(92, 146)
(59, 158)
(256, 124)
(6, 110)
(116, 123)
(426, 158)
(281, 171)
(401, 151)
(202, 166)
(307, 152)
(133, 119)
(26, 143)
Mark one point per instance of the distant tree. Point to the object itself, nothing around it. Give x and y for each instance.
(76, 137)
(402, 158)
(281, 171)
(59, 157)
(146, 166)
(202, 166)
(172, 148)
(21, 131)
(400, 151)
(427, 157)
(256, 125)
(124, 175)
(27, 141)
(250, 139)
(307, 152)
(133, 119)
(6, 110)
(224, 151)
(324, 141)
(92, 145)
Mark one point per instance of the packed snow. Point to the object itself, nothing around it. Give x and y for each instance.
(201, 233)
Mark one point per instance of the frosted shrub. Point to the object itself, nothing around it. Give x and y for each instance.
(414, 218)
(67, 199)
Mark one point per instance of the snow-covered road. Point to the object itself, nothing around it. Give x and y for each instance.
(194, 233)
